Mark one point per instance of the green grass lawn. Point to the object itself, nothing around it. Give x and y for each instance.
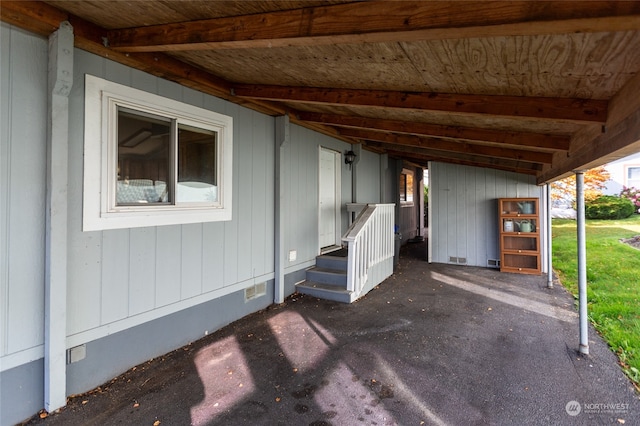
(613, 282)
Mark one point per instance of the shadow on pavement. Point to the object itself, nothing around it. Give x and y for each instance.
(433, 344)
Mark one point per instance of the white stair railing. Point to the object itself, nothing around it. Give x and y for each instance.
(370, 241)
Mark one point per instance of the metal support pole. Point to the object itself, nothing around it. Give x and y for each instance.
(549, 240)
(582, 264)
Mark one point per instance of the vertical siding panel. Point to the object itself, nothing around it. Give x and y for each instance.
(461, 195)
(212, 256)
(142, 270)
(231, 252)
(453, 212)
(293, 216)
(115, 275)
(23, 215)
(473, 211)
(169, 89)
(83, 296)
(259, 164)
(488, 217)
(191, 268)
(144, 81)
(491, 237)
(442, 226)
(168, 264)
(269, 190)
(246, 140)
(478, 188)
(117, 73)
(85, 248)
(192, 97)
(5, 162)
(308, 175)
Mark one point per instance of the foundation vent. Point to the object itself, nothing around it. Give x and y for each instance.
(458, 260)
(493, 263)
(255, 291)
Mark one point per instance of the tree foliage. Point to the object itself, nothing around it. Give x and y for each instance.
(594, 182)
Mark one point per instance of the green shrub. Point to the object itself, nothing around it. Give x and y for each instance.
(609, 207)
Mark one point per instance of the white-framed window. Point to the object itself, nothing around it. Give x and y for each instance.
(406, 188)
(150, 160)
(633, 177)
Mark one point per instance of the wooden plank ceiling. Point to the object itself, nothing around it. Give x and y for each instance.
(535, 87)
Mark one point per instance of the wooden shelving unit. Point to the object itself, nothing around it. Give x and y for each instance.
(519, 235)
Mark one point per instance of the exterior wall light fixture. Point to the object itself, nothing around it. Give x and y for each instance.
(349, 157)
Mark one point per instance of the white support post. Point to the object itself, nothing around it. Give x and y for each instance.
(282, 140)
(55, 319)
(549, 239)
(582, 264)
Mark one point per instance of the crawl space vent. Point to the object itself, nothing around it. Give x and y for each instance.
(255, 291)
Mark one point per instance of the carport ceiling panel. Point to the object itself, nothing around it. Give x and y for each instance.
(586, 66)
(363, 66)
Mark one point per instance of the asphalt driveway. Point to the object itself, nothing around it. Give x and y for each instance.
(433, 344)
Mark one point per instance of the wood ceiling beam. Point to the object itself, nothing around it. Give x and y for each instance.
(455, 158)
(419, 142)
(381, 21)
(559, 109)
(534, 140)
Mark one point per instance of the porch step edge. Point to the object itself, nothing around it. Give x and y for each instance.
(334, 277)
(332, 262)
(325, 291)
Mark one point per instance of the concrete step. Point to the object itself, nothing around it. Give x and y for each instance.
(327, 261)
(334, 277)
(325, 291)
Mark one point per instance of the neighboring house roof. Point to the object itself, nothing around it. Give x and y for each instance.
(542, 88)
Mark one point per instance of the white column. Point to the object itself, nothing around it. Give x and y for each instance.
(549, 239)
(55, 320)
(282, 140)
(582, 264)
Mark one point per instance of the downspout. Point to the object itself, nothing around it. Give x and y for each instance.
(55, 297)
(582, 264)
(549, 238)
(282, 138)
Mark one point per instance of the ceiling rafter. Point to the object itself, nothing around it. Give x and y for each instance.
(543, 108)
(456, 158)
(522, 139)
(380, 21)
(442, 145)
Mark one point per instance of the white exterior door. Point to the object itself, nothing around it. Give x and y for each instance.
(329, 216)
